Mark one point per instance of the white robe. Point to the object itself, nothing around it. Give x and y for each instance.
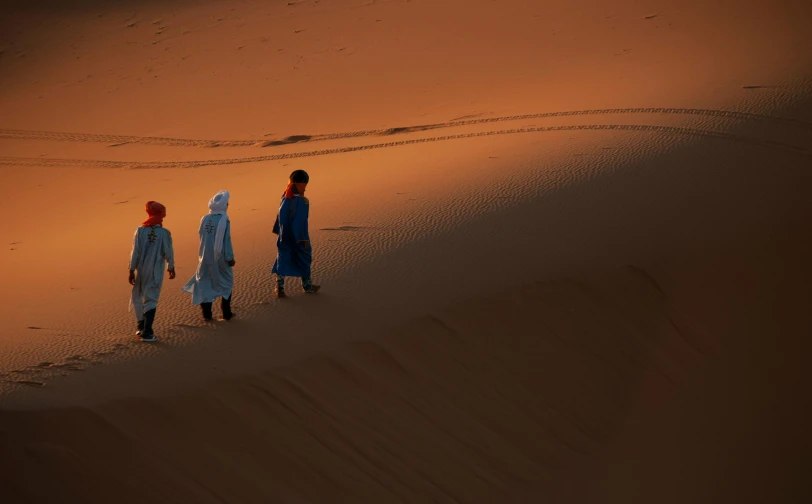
(152, 249)
(214, 277)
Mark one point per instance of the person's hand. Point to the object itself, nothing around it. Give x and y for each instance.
(305, 244)
(132, 277)
(171, 274)
(231, 263)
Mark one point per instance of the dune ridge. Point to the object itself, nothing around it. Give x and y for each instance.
(443, 408)
(612, 311)
(185, 142)
(342, 150)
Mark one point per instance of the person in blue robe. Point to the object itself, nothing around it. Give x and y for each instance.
(152, 251)
(214, 276)
(294, 254)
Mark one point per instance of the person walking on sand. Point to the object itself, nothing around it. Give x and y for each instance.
(214, 277)
(152, 250)
(294, 254)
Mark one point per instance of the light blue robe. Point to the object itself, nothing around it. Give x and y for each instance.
(152, 250)
(294, 254)
(214, 277)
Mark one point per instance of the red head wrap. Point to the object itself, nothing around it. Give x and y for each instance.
(296, 185)
(156, 212)
(295, 188)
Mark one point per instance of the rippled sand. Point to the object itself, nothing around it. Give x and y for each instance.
(563, 250)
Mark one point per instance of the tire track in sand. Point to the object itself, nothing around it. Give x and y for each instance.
(673, 130)
(116, 140)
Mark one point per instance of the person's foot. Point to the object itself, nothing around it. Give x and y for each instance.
(149, 339)
(228, 316)
(280, 293)
(312, 289)
(140, 330)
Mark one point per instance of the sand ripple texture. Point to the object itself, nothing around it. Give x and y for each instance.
(493, 179)
(704, 115)
(462, 406)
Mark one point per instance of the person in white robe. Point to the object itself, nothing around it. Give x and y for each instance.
(152, 251)
(214, 276)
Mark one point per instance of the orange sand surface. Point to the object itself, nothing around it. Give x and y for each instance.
(563, 247)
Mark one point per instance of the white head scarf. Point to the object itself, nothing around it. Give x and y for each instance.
(217, 206)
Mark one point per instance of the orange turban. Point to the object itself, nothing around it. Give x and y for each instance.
(156, 212)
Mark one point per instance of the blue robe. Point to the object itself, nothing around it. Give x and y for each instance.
(216, 276)
(294, 255)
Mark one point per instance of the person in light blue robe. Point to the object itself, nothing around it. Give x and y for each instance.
(152, 251)
(294, 254)
(214, 276)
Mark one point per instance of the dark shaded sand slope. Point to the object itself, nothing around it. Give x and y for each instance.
(489, 399)
(602, 386)
(680, 378)
(590, 313)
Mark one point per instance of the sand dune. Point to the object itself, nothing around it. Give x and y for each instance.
(563, 249)
(443, 408)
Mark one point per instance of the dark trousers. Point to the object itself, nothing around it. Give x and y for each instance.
(225, 306)
(145, 326)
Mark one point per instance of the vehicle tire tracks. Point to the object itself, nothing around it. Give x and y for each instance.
(671, 130)
(116, 140)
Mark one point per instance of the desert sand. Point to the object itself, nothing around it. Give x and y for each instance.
(564, 250)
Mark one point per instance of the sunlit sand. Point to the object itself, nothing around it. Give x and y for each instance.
(562, 247)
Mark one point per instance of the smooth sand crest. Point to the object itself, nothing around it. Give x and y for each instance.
(602, 305)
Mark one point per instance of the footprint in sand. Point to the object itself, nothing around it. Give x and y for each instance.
(343, 228)
(187, 326)
(31, 383)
